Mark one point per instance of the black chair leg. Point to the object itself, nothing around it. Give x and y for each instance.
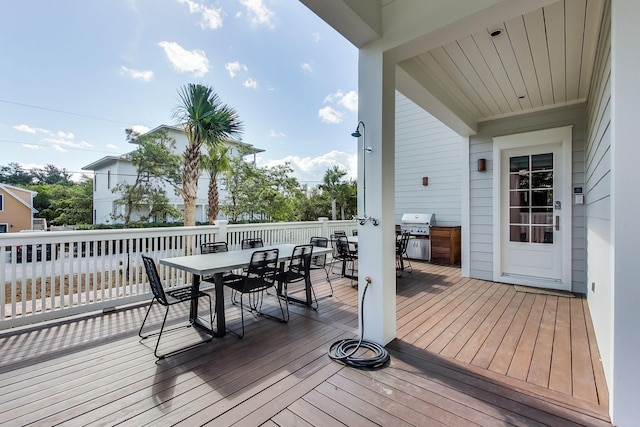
(145, 319)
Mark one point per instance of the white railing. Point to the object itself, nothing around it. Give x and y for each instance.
(49, 275)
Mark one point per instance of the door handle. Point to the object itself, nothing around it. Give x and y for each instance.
(557, 222)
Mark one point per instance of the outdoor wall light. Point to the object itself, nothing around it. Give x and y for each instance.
(482, 165)
(356, 134)
(425, 180)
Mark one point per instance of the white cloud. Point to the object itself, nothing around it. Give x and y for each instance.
(311, 170)
(31, 166)
(274, 134)
(185, 61)
(24, 128)
(258, 12)
(350, 101)
(316, 37)
(112, 147)
(32, 146)
(59, 148)
(251, 83)
(137, 75)
(330, 115)
(48, 132)
(211, 18)
(140, 129)
(306, 67)
(234, 67)
(347, 100)
(59, 142)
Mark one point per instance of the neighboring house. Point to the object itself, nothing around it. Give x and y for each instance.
(112, 170)
(545, 95)
(16, 209)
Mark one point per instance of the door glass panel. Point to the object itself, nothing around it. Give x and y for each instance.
(542, 216)
(3, 228)
(542, 180)
(531, 198)
(541, 234)
(519, 233)
(542, 162)
(517, 181)
(519, 163)
(519, 198)
(542, 198)
(519, 215)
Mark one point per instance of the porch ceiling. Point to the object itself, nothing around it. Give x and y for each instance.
(543, 57)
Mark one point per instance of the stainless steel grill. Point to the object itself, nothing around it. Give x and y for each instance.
(417, 224)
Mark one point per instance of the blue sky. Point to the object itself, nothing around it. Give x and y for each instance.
(74, 74)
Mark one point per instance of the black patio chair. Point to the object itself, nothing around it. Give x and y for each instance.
(346, 255)
(339, 233)
(402, 241)
(252, 243)
(212, 248)
(297, 271)
(259, 276)
(167, 299)
(319, 261)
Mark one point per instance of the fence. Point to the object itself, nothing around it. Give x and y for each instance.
(49, 275)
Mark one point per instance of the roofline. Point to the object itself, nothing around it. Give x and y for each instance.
(8, 188)
(250, 147)
(104, 161)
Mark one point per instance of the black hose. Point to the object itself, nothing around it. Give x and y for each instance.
(343, 350)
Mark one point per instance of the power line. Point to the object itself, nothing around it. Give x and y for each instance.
(65, 112)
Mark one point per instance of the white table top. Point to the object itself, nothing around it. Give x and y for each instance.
(208, 264)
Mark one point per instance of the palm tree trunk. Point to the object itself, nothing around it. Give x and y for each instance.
(333, 209)
(214, 202)
(190, 175)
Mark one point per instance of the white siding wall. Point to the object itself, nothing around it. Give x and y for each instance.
(426, 147)
(598, 198)
(481, 184)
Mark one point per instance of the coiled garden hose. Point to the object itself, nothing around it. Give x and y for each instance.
(343, 350)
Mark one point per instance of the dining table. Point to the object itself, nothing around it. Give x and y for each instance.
(216, 264)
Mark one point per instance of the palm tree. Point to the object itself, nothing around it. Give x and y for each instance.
(331, 184)
(205, 119)
(215, 161)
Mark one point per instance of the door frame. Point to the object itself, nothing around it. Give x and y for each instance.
(562, 135)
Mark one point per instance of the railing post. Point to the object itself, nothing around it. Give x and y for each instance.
(222, 229)
(324, 224)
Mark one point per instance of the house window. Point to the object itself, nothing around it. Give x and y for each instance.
(1, 202)
(95, 182)
(4, 228)
(108, 179)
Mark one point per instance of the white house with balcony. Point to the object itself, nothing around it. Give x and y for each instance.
(110, 171)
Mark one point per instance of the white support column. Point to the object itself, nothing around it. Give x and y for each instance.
(625, 205)
(376, 248)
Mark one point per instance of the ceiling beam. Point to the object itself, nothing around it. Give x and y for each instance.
(414, 82)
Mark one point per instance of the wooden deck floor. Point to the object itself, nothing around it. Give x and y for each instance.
(468, 352)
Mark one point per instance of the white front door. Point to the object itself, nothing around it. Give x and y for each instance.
(533, 216)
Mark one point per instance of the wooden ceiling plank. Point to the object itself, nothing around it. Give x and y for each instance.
(508, 57)
(575, 11)
(554, 23)
(472, 52)
(450, 68)
(522, 50)
(493, 61)
(534, 24)
(431, 66)
(469, 72)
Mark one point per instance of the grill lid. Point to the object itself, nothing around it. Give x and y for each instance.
(418, 218)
